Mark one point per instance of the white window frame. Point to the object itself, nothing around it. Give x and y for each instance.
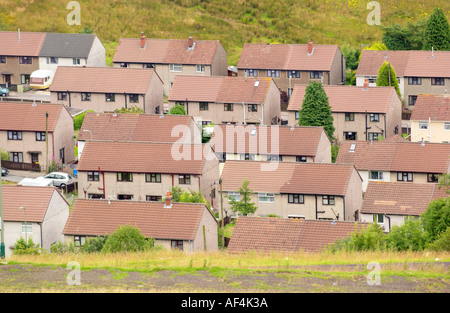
(423, 123)
(378, 218)
(447, 126)
(234, 195)
(28, 228)
(200, 68)
(379, 175)
(264, 197)
(176, 68)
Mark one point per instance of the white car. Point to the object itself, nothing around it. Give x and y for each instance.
(59, 179)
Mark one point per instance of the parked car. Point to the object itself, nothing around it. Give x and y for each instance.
(59, 179)
(4, 92)
(4, 171)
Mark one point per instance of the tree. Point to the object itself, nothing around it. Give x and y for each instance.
(127, 239)
(179, 195)
(177, 109)
(352, 57)
(436, 218)
(444, 182)
(134, 109)
(397, 37)
(437, 31)
(409, 236)
(376, 46)
(245, 205)
(316, 110)
(388, 77)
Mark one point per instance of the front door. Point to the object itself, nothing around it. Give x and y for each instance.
(34, 158)
(7, 79)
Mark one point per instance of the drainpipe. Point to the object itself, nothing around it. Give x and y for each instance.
(70, 102)
(389, 219)
(143, 106)
(243, 108)
(316, 205)
(125, 95)
(365, 116)
(103, 179)
(42, 242)
(343, 201)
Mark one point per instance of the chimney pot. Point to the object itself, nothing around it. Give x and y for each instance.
(190, 42)
(169, 198)
(142, 40)
(310, 47)
(366, 84)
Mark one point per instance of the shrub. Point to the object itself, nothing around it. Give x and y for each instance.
(436, 218)
(61, 248)
(367, 239)
(127, 239)
(177, 110)
(442, 242)
(410, 236)
(23, 247)
(93, 245)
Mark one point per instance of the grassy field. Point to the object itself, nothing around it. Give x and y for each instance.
(234, 23)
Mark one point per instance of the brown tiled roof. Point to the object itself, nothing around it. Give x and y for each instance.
(142, 157)
(131, 127)
(29, 45)
(100, 217)
(287, 57)
(102, 79)
(221, 89)
(287, 177)
(35, 200)
(399, 198)
(287, 235)
(348, 98)
(406, 63)
(297, 141)
(165, 51)
(396, 156)
(26, 117)
(435, 107)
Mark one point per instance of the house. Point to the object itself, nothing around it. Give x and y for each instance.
(36, 134)
(359, 113)
(137, 127)
(62, 49)
(292, 64)
(271, 235)
(189, 227)
(296, 190)
(106, 89)
(224, 99)
(396, 160)
(23, 53)
(418, 72)
(430, 120)
(129, 170)
(172, 57)
(271, 143)
(391, 203)
(39, 213)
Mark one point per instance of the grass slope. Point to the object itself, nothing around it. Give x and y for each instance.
(234, 23)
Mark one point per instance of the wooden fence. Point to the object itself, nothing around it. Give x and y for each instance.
(21, 166)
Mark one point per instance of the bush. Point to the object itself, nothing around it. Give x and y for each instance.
(436, 218)
(442, 242)
(177, 110)
(23, 247)
(93, 245)
(367, 239)
(127, 239)
(410, 236)
(61, 248)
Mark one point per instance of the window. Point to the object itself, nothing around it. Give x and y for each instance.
(110, 97)
(228, 107)
(423, 125)
(295, 198)
(123, 176)
(25, 60)
(375, 175)
(293, 74)
(62, 96)
(134, 98)
(148, 65)
(184, 179)
(175, 67)
(40, 136)
(235, 196)
(446, 125)
(253, 108)
(437, 81)
(432, 177)
(414, 81)
(177, 244)
(374, 117)
(85, 96)
(78, 241)
(152, 178)
(276, 158)
(300, 158)
(203, 106)
(34, 158)
(297, 115)
(76, 61)
(14, 135)
(350, 135)
(27, 228)
(124, 197)
(374, 136)
(62, 155)
(328, 200)
(404, 176)
(248, 157)
(24, 78)
(251, 73)
(266, 197)
(200, 68)
(273, 73)
(95, 196)
(315, 74)
(412, 100)
(123, 64)
(16, 157)
(349, 117)
(93, 176)
(378, 218)
(2, 59)
(206, 123)
(153, 198)
(52, 60)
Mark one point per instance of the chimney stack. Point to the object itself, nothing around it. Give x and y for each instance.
(310, 47)
(190, 42)
(168, 203)
(366, 84)
(142, 40)
(20, 39)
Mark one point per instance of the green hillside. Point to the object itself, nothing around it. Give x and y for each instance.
(234, 23)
